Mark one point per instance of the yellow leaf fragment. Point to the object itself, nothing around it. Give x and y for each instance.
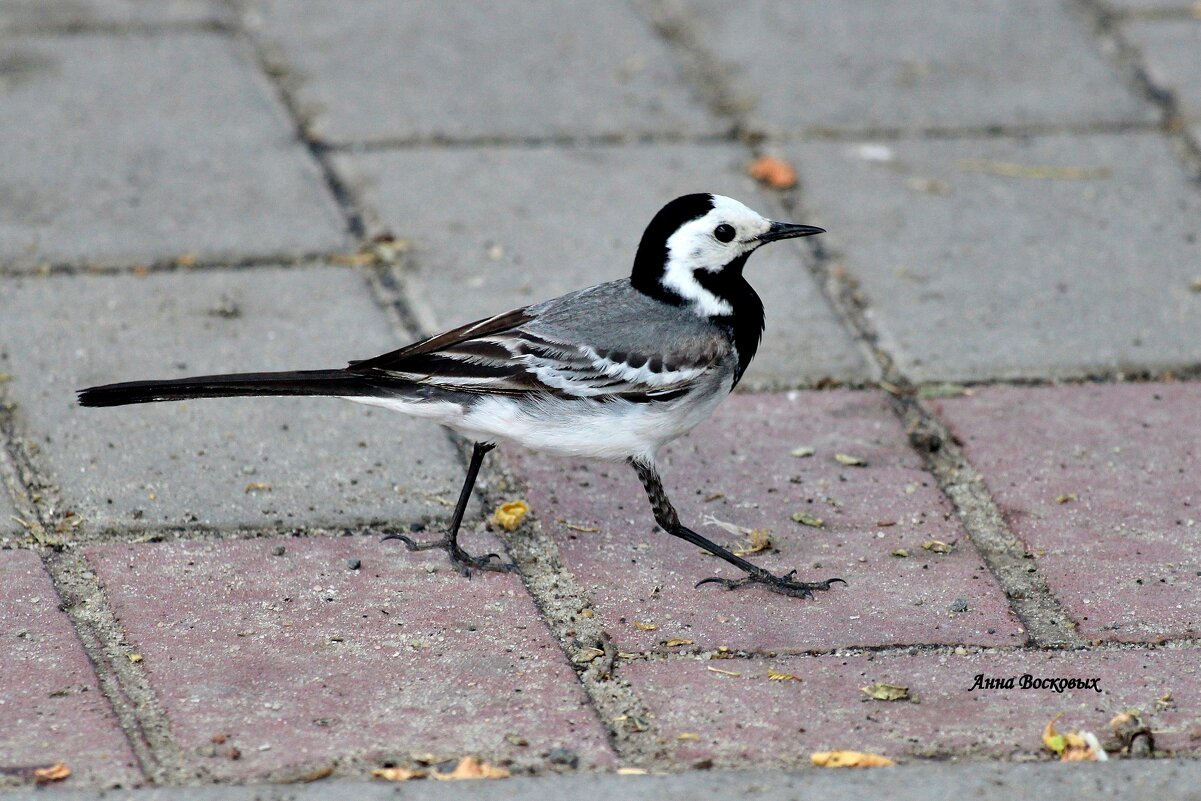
(759, 541)
(689, 736)
(849, 460)
(803, 452)
(938, 546)
(1074, 746)
(775, 675)
(631, 771)
(900, 553)
(638, 624)
(1065, 498)
(886, 692)
(52, 773)
(849, 759)
(677, 642)
(470, 767)
(257, 486)
(509, 515)
(134, 658)
(807, 520)
(398, 774)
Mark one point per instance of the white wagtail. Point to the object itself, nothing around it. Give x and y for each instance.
(613, 371)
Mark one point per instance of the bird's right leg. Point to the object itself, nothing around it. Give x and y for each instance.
(669, 521)
(463, 561)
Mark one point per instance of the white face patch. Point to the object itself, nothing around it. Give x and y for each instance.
(694, 247)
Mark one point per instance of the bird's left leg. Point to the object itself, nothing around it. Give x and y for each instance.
(669, 521)
(463, 561)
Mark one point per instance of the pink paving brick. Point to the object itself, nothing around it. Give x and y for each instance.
(1101, 483)
(748, 719)
(636, 573)
(298, 660)
(51, 707)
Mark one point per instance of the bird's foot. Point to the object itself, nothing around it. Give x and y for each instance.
(462, 561)
(781, 584)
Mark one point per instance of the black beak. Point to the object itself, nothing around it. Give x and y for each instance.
(781, 230)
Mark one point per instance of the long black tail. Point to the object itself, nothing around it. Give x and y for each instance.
(297, 382)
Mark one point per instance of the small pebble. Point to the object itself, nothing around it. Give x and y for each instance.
(279, 550)
(958, 605)
(354, 564)
(563, 756)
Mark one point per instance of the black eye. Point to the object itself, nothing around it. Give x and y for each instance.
(724, 233)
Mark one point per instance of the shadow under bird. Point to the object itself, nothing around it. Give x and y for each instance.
(614, 371)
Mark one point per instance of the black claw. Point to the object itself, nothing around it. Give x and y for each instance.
(781, 584)
(462, 561)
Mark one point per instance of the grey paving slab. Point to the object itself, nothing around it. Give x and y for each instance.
(1168, 779)
(988, 259)
(499, 228)
(76, 14)
(161, 146)
(1183, 6)
(198, 462)
(1171, 51)
(541, 68)
(912, 63)
(51, 706)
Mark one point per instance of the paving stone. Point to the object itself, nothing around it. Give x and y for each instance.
(975, 275)
(198, 462)
(500, 228)
(299, 660)
(76, 14)
(51, 707)
(162, 146)
(483, 70)
(1181, 6)
(749, 719)
(1100, 482)
(737, 467)
(1171, 51)
(8, 525)
(871, 65)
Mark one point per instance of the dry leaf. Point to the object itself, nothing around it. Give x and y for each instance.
(808, 520)
(54, 773)
(631, 771)
(134, 658)
(470, 767)
(773, 675)
(1073, 746)
(1068, 498)
(849, 460)
(257, 486)
(578, 527)
(688, 735)
(938, 546)
(509, 515)
(638, 624)
(900, 553)
(674, 643)
(398, 774)
(803, 451)
(886, 692)
(758, 539)
(849, 759)
(774, 172)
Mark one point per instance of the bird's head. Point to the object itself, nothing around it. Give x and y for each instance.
(693, 251)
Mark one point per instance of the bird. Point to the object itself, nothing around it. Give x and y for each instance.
(612, 372)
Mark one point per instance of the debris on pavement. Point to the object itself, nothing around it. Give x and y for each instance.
(803, 452)
(938, 546)
(773, 172)
(509, 515)
(849, 460)
(1076, 746)
(775, 675)
(758, 539)
(51, 774)
(1012, 170)
(886, 692)
(807, 520)
(849, 759)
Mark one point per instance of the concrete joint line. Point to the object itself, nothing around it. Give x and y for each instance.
(1128, 59)
(282, 79)
(83, 601)
(1046, 621)
(560, 600)
(169, 265)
